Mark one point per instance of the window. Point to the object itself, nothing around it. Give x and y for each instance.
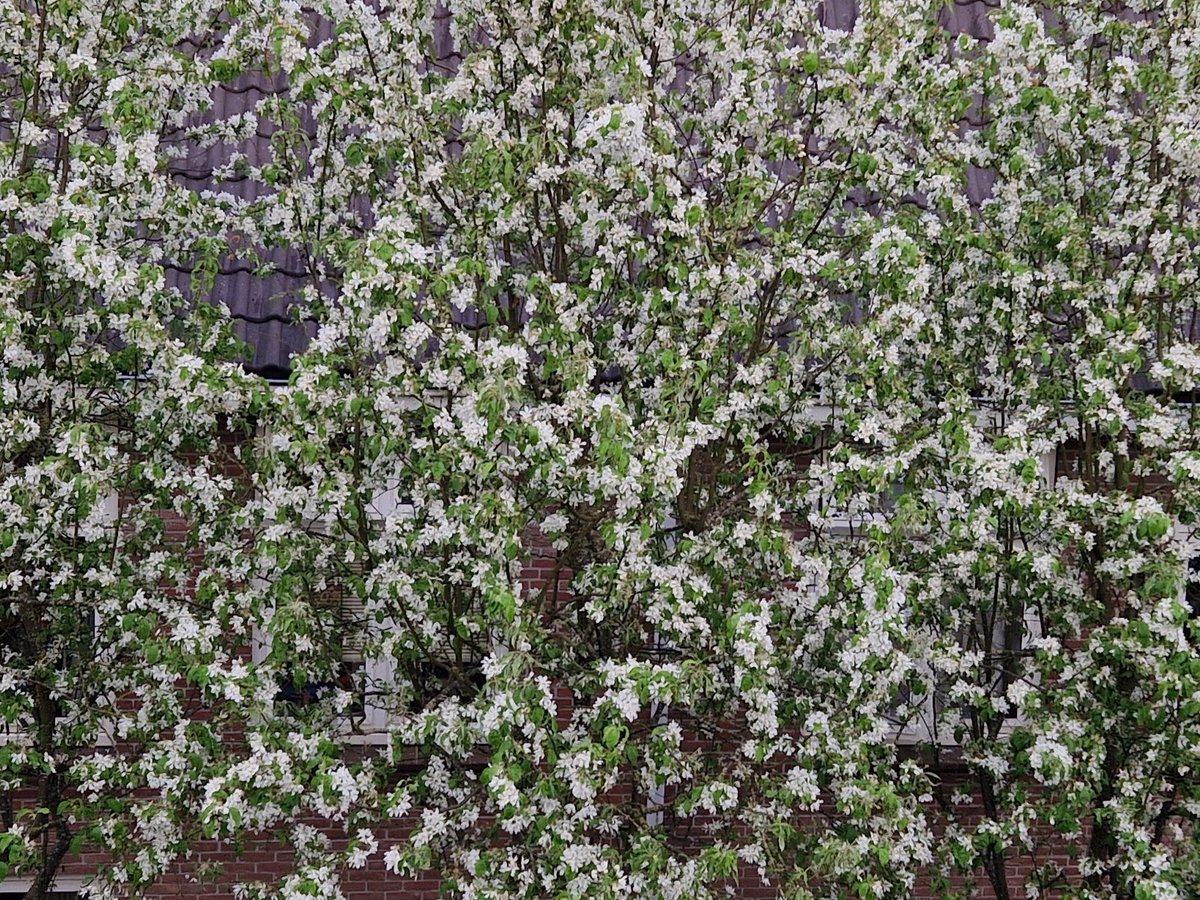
(1191, 591)
(924, 710)
(997, 640)
(1188, 538)
(329, 601)
(49, 639)
(340, 613)
(998, 637)
(428, 666)
(424, 669)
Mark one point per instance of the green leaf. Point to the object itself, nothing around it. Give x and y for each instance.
(1157, 525)
(382, 249)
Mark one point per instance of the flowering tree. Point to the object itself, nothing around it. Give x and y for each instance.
(665, 490)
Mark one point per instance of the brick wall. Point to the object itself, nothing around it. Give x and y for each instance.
(214, 867)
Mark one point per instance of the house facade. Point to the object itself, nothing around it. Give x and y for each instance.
(714, 464)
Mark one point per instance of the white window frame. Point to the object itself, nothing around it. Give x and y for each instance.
(61, 883)
(1188, 537)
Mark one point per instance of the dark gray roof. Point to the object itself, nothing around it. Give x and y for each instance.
(262, 286)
